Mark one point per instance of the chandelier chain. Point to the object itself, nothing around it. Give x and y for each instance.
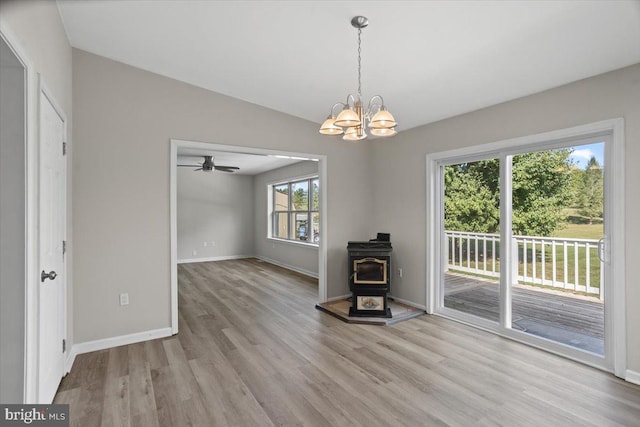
(359, 62)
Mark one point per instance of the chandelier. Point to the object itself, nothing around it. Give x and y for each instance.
(354, 120)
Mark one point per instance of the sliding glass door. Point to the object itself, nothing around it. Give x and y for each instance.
(522, 243)
(471, 222)
(558, 219)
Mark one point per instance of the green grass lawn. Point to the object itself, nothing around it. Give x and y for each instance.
(578, 227)
(581, 231)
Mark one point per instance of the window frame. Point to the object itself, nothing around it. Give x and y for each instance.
(290, 212)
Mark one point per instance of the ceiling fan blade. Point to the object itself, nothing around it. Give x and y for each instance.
(225, 169)
(189, 166)
(196, 170)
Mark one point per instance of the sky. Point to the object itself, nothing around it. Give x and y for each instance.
(582, 153)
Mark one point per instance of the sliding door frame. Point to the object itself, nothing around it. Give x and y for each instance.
(615, 333)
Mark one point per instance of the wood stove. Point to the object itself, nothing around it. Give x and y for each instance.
(370, 278)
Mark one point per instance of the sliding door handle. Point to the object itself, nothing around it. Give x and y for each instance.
(601, 249)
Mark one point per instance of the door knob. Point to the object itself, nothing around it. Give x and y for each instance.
(51, 275)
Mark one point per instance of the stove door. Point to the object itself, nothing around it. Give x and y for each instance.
(370, 271)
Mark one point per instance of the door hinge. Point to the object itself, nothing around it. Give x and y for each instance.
(64, 345)
(64, 247)
(64, 148)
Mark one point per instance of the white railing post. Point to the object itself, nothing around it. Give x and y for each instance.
(587, 259)
(476, 250)
(484, 253)
(553, 263)
(524, 260)
(493, 254)
(533, 260)
(565, 263)
(576, 267)
(543, 263)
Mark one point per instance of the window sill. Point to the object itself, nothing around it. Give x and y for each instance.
(294, 243)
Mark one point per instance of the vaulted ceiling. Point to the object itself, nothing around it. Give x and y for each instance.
(429, 59)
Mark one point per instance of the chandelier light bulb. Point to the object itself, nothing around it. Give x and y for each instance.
(383, 131)
(352, 134)
(347, 118)
(382, 119)
(329, 128)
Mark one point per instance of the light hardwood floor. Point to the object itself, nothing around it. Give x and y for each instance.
(252, 350)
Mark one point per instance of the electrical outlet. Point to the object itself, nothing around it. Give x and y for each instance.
(194, 253)
(400, 272)
(205, 244)
(124, 299)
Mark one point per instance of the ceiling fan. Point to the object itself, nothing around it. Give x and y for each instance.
(209, 166)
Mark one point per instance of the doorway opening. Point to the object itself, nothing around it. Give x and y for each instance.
(180, 147)
(13, 226)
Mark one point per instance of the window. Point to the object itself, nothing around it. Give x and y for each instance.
(295, 214)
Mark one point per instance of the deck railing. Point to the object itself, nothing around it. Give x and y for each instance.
(570, 264)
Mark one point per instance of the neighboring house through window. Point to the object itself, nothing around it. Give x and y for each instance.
(294, 210)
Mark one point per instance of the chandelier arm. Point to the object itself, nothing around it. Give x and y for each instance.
(372, 103)
(353, 99)
(334, 107)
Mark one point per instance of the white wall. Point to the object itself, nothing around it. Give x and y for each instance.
(214, 207)
(37, 28)
(401, 206)
(300, 257)
(124, 119)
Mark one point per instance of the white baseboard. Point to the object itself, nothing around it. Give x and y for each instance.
(71, 357)
(215, 258)
(632, 376)
(409, 303)
(339, 297)
(288, 267)
(89, 346)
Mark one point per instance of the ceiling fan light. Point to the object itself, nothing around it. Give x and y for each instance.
(382, 119)
(347, 118)
(383, 131)
(352, 134)
(329, 128)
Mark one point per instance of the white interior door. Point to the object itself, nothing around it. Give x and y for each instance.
(51, 301)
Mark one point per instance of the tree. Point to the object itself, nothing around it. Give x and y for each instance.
(540, 190)
(300, 200)
(590, 200)
(470, 202)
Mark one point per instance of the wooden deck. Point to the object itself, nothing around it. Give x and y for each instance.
(570, 319)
